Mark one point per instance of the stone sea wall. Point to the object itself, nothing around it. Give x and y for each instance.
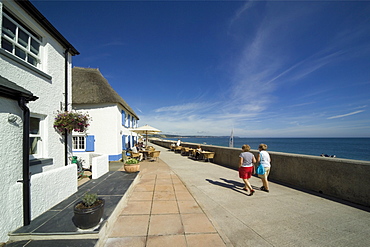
(340, 178)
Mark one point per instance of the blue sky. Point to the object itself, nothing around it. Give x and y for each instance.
(264, 68)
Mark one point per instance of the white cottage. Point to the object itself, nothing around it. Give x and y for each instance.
(112, 117)
(35, 82)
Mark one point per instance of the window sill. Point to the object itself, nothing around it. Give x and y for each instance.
(24, 63)
(44, 162)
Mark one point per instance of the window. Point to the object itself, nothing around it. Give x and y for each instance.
(128, 121)
(78, 143)
(83, 143)
(123, 118)
(35, 137)
(19, 40)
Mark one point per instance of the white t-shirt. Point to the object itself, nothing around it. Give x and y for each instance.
(134, 149)
(265, 158)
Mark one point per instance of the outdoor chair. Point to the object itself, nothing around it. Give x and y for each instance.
(177, 149)
(192, 152)
(154, 155)
(134, 155)
(185, 151)
(208, 156)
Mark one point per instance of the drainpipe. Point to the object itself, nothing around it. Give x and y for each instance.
(66, 104)
(26, 162)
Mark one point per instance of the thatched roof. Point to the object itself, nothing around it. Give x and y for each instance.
(90, 87)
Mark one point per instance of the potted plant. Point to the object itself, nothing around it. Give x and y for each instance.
(78, 161)
(132, 165)
(71, 120)
(88, 211)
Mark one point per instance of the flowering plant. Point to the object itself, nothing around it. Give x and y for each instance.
(70, 120)
(132, 161)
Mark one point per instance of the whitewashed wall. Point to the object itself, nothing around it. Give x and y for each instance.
(11, 134)
(100, 166)
(47, 83)
(105, 127)
(98, 163)
(48, 188)
(49, 91)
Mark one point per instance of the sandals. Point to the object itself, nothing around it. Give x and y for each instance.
(264, 189)
(251, 193)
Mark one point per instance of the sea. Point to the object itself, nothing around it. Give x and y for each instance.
(345, 148)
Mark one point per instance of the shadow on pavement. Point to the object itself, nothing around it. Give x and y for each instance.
(229, 186)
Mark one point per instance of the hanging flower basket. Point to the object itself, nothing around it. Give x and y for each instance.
(71, 121)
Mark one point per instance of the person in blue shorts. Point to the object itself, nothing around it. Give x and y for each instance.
(264, 160)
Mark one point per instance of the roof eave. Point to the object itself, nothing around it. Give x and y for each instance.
(132, 113)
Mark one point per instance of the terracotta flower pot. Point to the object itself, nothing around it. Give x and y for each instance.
(132, 167)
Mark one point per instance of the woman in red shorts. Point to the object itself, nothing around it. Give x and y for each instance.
(246, 168)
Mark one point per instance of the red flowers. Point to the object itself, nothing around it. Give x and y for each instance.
(71, 121)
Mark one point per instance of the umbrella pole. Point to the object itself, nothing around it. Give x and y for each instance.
(146, 139)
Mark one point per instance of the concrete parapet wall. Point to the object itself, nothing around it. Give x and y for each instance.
(341, 178)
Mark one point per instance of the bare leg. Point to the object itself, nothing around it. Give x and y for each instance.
(265, 183)
(247, 185)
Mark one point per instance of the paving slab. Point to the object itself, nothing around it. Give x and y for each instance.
(162, 212)
(286, 216)
(56, 224)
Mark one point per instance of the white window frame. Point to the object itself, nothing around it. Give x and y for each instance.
(18, 45)
(39, 135)
(77, 147)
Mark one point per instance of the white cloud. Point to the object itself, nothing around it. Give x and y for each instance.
(185, 107)
(239, 12)
(345, 115)
(270, 91)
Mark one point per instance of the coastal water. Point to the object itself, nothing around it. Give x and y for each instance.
(345, 148)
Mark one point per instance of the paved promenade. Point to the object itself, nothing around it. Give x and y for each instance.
(217, 212)
(161, 212)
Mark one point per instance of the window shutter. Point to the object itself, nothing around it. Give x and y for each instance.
(124, 142)
(90, 143)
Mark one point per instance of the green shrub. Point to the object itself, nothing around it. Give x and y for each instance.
(89, 199)
(132, 161)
